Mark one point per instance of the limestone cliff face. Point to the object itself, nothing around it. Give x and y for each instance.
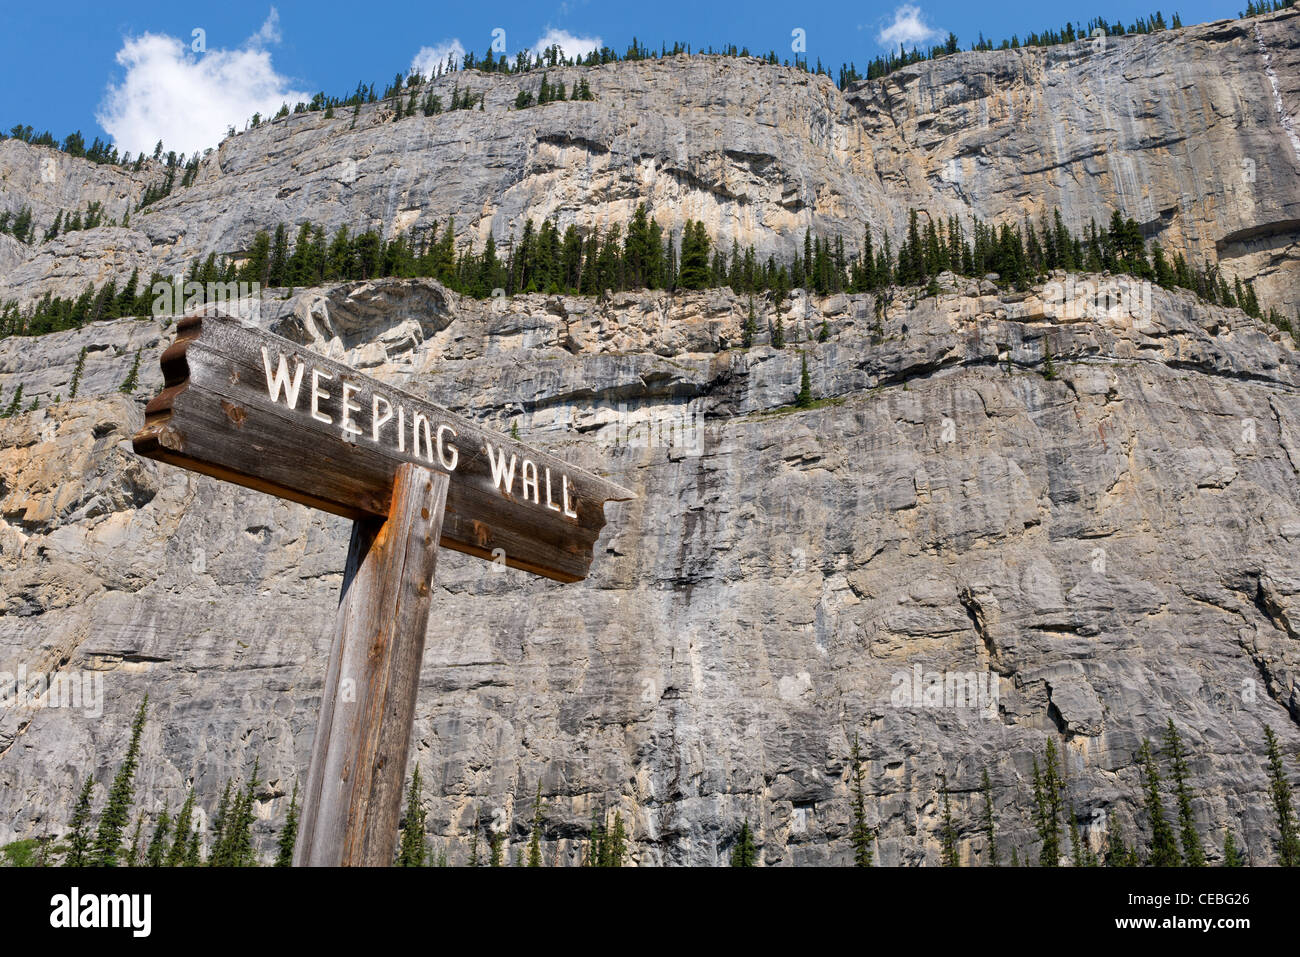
(1191, 132)
(1102, 514)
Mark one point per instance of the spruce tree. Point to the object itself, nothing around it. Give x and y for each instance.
(108, 839)
(861, 835)
(289, 833)
(157, 850)
(412, 850)
(1193, 853)
(1047, 807)
(1164, 846)
(617, 842)
(184, 826)
(1117, 852)
(133, 853)
(744, 853)
(990, 833)
(1288, 843)
(804, 399)
(535, 838)
(78, 853)
(132, 378)
(948, 833)
(1232, 857)
(76, 373)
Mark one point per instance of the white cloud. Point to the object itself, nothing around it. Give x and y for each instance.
(188, 100)
(428, 60)
(909, 28)
(570, 45)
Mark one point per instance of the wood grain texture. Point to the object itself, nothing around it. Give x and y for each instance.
(215, 415)
(352, 801)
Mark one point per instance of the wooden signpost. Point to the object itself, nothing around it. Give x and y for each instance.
(255, 409)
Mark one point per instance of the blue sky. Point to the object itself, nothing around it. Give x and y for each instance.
(129, 72)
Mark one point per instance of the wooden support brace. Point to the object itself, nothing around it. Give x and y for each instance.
(352, 802)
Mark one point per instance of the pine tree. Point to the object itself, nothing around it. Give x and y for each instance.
(617, 842)
(1117, 852)
(15, 404)
(157, 850)
(948, 833)
(535, 838)
(744, 853)
(1288, 843)
(133, 853)
(76, 374)
(1232, 857)
(750, 327)
(1047, 807)
(778, 334)
(183, 826)
(860, 836)
(78, 853)
(990, 833)
(804, 399)
(473, 852)
(133, 377)
(1193, 853)
(1164, 847)
(108, 839)
(412, 851)
(289, 834)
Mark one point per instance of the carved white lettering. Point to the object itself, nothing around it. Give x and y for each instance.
(349, 390)
(418, 420)
(280, 381)
(530, 478)
(549, 503)
(564, 485)
(500, 473)
(376, 420)
(317, 393)
(449, 463)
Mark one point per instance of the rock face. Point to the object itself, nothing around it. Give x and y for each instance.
(1086, 525)
(1005, 517)
(1190, 132)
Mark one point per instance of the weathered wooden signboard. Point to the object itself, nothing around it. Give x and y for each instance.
(255, 409)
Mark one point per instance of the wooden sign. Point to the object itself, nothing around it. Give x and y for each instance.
(255, 409)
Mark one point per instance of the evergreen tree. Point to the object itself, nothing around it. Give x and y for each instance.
(133, 853)
(1164, 847)
(750, 327)
(1193, 853)
(804, 399)
(1232, 857)
(157, 850)
(1118, 853)
(289, 834)
(990, 833)
(948, 833)
(1047, 807)
(744, 853)
(617, 842)
(76, 373)
(184, 827)
(860, 836)
(133, 377)
(108, 839)
(535, 838)
(1288, 843)
(78, 853)
(412, 851)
